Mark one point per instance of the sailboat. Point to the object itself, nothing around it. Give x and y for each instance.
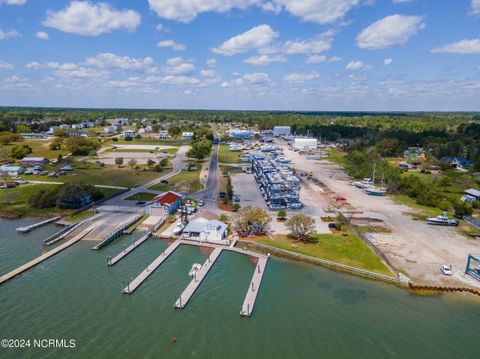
(372, 190)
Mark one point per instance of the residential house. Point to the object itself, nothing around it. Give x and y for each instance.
(187, 135)
(12, 170)
(207, 230)
(169, 202)
(64, 127)
(129, 134)
(110, 130)
(163, 134)
(471, 195)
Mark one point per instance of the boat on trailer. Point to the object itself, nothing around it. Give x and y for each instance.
(442, 220)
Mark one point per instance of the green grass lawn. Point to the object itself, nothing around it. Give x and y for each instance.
(81, 216)
(170, 151)
(151, 141)
(227, 156)
(141, 196)
(40, 148)
(348, 250)
(424, 211)
(185, 179)
(337, 155)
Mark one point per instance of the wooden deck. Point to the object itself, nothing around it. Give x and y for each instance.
(122, 254)
(134, 284)
(254, 287)
(45, 256)
(200, 275)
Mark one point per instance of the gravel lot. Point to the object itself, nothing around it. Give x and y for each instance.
(413, 246)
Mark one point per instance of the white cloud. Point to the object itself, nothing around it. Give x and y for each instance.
(109, 60)
(89, 19)
(187, 10)
(13, 2)
(357, 65)
(319, 11)
(5, 34)
(71, 70)
(335, 59)
(387, 61)
(264, 59)
(211, 62)
(253, 79)
(316, 59)
(5, 66)
(172, 44)
(401, 1)
(390, 31)
(42, 35)
(462, 47)
(475, 7)
(180, 80)
(34, 65)
(301, 77)
(208, 74)
(257, 37)
(272, 6)
(317, 44)
(177, 66)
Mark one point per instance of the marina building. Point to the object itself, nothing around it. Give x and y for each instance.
(279, 131)
(305, 143)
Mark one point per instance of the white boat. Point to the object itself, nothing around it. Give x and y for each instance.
(178, 228)
(195, 268)
(442, 220)
(363, 184)
(376, 191)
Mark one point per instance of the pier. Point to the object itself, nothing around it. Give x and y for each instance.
(28, 228)
(122, 254)
(253, 288)
(44, 256)
(116, 233)
(197, 279)
(134, 284)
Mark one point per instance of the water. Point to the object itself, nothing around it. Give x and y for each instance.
(302, 311)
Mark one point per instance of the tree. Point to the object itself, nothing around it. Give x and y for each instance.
(301, 227)
(462, 209)
(22, 129)
(20, 151)
(282, 215)
(229, 189)
(80, 146)
(251, 221)
(119, 161)
(8, 137)
(56, 144)
(150, 162)
(236, 207)
(60, 133)
(132, 163)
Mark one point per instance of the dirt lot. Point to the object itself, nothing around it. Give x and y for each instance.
(413, 246)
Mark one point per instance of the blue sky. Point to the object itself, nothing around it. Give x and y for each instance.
(334, 55)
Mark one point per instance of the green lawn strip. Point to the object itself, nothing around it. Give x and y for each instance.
(423, 211)
(40, 148)
(170, 151)
(150, 141)
(81, 216)
(189, 180)
(227, 156)
(348, 250)
(338, 156)
(141, 196)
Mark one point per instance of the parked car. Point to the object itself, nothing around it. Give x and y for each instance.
(164, 181)
(52, 174)
(338, 199)
(21, 181)
(222, 194)
(140, 203)
(201, 203)
(446, 269)
(67, 168)
(333, 225)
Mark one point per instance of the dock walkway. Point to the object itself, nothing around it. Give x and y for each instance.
(197, 280)
(134, 284)
(45, 256)
(253, 288)
(127, 250)
(28, 228)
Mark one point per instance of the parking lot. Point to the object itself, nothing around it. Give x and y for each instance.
(245, 186)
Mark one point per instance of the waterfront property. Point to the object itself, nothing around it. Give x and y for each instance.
(207, 230)
(168, 202)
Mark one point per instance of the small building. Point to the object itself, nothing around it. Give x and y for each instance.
(305, 143)
(472, 195)
(64, 127)
(52, 130)
(163, 134)
(456, 162)
(187, 135)
(169, 201)
(207, 230)
(242, 134)
(279, 131)
(33, 135)
(129, 134)
(77, 133)
(110, 130)
(12, 170)
(34, 161)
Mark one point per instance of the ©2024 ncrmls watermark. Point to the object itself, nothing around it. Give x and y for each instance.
(41, 343)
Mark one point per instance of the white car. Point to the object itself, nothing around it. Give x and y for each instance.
(446, 269)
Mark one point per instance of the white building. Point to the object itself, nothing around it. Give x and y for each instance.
(281, 131)
(129, 134)
(12, 170)
(305, 144)
(163, 134)
(187, 135)
(206, 230)
(110, 130)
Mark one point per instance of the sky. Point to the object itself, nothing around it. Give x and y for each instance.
(304, 55)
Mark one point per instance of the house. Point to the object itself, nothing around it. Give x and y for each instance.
(52, 130)
(129, 134)
(207, 230)
(241, 134)
(34, 161)
(471, 195)
(110, 130)
(281, 131)
(169, 201)
(64, 127)
(77, 133)
(187, 135)
(12, 170)
(456, 162)
(163, 134)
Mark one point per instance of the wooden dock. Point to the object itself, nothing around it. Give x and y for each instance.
(44, 256)
(253, 288)
(134, 284)
(130, 248)
(199, 276)
(36, 225)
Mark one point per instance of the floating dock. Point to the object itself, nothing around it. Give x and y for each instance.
(253, 288)
(127, 250)
(199, 276)
(25, 229)
(45, 256)
(134, 284)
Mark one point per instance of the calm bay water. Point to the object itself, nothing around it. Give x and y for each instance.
(302, 311)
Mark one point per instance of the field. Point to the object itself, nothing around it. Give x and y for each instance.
(151, 141)
(189, 180)
(141, 196)
(348, 250)
(39, 148)
(227, 156)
